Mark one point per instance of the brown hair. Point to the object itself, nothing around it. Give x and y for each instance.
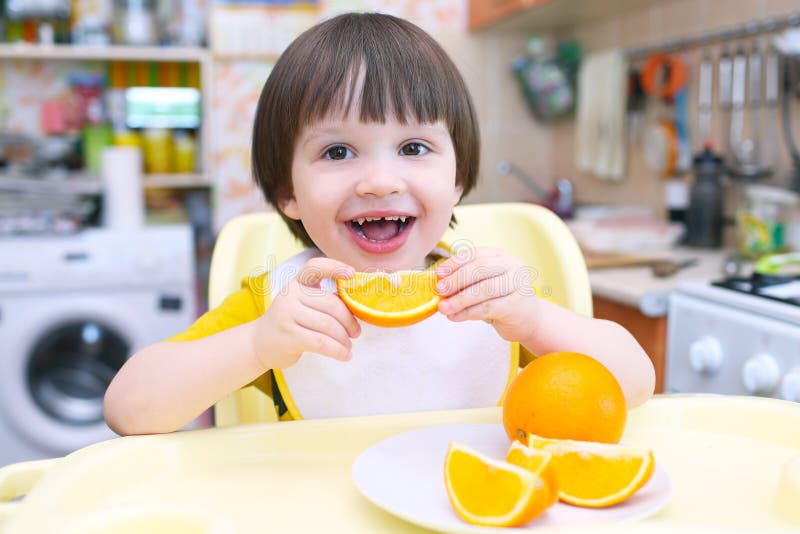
(403, 67)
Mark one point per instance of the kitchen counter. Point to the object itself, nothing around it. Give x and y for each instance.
(636, 286)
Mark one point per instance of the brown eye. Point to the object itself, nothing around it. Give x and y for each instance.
(337, 152)
(413, 149)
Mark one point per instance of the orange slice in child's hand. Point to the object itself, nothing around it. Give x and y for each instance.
(491, 492)
(401, 298)
(596, 475)
(540, 463)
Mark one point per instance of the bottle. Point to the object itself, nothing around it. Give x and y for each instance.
(704, 218)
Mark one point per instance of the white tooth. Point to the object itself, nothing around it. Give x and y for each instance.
(402, 218)
(369, 219)
(391, 218)
(360, 221)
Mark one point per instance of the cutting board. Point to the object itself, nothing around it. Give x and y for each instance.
(608, 260)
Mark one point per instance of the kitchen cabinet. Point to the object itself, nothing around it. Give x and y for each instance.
(482, 13)
(544, 15)
(650, 332)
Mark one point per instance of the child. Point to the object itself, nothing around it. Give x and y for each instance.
(365, 138)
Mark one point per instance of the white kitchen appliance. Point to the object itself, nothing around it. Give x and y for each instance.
(739, 336)
(72, 310)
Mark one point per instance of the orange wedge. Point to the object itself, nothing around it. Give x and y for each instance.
(491, 492)
(540, 463)
(400, 298)
(596, 475)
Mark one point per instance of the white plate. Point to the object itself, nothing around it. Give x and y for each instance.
(404, 475)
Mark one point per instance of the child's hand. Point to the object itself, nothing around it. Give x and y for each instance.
(304, 318)
(490, 285)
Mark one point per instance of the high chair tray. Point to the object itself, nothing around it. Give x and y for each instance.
(734, 464)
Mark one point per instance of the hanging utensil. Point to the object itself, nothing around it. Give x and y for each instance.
(704, 92)
(738, 91)
(788, 95)
(746, 99)
(663, 77)
(754, 166)
(770, 149)
(725, 68)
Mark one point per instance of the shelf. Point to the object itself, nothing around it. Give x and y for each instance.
(549, 15)
(76, 184)
(103, 53)
(175, 181)
(86, 184)
(246, 56)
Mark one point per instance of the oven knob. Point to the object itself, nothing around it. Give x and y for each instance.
(760, 374)
(705, 355)
(790, 386)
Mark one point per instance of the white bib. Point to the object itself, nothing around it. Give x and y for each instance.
(435, 364)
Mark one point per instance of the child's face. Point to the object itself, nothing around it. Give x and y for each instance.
(345, 171)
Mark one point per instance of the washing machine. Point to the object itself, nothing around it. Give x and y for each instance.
(72, 310)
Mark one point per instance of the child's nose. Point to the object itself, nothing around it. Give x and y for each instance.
(380, 181)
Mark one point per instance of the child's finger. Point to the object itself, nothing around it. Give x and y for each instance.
(486, 290)
(332, 305)
(485, 310)
(452, 264)
(323, 323)
(317, 269)
(468, 275)
(326, 346)
(464, 256)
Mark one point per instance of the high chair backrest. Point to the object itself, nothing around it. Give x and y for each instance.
(254, 243)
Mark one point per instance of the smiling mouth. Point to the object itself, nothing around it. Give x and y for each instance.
(379, 229)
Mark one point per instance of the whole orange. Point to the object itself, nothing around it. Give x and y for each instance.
(565, 395)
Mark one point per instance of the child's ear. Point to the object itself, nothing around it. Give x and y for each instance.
(458, 191)
(289, 208)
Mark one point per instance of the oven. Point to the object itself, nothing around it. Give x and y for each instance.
(740, 336)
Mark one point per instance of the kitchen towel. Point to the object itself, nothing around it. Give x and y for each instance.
(123, 194)
(600, 115)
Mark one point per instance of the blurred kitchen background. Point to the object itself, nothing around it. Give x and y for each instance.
(664, 132)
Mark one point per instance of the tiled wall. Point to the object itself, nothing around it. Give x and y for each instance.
(664, 20)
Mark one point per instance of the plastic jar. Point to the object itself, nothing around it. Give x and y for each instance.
(157, 145)
(762, 219)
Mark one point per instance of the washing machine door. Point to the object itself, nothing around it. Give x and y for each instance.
(70, 367)
(60, 354)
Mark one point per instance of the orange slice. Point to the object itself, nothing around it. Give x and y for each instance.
(596, 475)
(400, 298)
(491, 492)
(540, 463)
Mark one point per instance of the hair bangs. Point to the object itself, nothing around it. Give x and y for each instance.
(381, 76)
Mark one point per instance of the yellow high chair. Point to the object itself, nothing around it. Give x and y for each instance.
(532, 233)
